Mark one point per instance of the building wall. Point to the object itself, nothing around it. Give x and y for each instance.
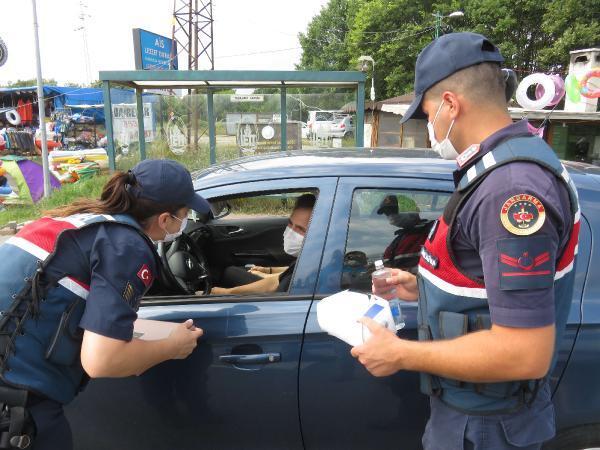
(412, 134)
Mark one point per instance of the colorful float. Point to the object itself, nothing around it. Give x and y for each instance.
(550, 89)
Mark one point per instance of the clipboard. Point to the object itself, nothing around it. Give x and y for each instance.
(152, 330)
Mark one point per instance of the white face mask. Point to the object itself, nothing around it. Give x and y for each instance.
(445, 148)
(170, 237)
(292, 242)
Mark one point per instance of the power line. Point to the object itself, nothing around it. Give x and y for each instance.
(261, 52)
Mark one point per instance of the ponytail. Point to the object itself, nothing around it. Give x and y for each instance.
(119, 196)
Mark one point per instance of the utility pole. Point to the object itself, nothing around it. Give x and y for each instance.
(41, 104)
(438, 20)
(438, 23)
(193, 31)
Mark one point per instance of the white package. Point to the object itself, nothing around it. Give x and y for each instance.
(338, 315)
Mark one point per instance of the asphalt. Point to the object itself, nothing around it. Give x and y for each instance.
(3, 238)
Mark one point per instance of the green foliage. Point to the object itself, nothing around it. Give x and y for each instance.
(32, 82)
(533, 35)
(68, 193)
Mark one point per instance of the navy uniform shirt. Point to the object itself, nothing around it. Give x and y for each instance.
(118, 265)
(480, 241)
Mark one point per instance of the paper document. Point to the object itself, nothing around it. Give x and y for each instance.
(152, 330)
(338, 315)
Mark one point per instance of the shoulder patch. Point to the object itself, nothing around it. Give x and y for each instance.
(525, 263)
(145, 275)
(522, 214)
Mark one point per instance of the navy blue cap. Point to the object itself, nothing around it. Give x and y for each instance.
(443, 57)
(168, 182)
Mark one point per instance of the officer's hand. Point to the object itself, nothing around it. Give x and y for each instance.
(382, 353)
(401, 284)
(184, 339)
(260, 269)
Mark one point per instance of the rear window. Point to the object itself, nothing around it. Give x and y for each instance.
(323, 116)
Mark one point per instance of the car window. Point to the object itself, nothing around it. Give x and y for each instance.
(249, 231)
(389, 225)
(323, 116)
(269, 205)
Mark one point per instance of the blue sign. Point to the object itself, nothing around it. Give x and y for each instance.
(153, 51)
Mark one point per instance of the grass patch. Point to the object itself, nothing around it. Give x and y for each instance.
(90, 188)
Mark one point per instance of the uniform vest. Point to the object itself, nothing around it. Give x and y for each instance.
(452, 303)
(40, 338)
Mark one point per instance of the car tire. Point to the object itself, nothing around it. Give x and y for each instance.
(576, 438)
(349, 134)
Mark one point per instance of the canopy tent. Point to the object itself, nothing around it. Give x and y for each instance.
(86, 101)
(25, 177)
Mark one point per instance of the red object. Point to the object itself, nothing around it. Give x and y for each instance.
(145, 275)
(51, 144)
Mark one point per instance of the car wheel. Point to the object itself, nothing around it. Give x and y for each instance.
(349, 134)
(586, 437)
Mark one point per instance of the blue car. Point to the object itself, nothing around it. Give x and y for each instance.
(264, 375)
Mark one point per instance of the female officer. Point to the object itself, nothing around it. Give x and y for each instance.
(70, 286)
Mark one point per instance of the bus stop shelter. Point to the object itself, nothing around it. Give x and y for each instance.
(210, 82)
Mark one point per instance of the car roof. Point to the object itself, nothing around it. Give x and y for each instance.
(362, 162)
(354, 161)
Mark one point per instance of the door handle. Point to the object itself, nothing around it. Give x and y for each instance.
(262, 358)
(234, 232)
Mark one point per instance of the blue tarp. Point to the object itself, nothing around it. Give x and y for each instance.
(87, 101)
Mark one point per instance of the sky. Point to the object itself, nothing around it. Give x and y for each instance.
(246, 33)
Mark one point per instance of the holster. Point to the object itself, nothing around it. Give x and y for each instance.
(17, 429)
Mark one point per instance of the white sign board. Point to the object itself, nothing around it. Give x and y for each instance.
(125, 126)
(246, 98)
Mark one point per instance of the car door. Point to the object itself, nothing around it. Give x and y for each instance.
(342, 406)
(238, 389)
(247, 240)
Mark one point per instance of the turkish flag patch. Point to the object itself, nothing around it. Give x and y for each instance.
(145, 275)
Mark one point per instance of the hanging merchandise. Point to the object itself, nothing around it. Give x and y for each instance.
(559, 87)
(13, 117)
(536, 79)
(572, 88)
(586, 90)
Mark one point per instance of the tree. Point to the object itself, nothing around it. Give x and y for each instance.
(393, 33)
(324, 44)
(536, 36)
(533, 35)
(32, 82)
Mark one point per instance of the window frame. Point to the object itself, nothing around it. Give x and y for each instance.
(302, 286)
(333, 255)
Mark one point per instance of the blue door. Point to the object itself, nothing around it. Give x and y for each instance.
(342, 406)
(238, 390)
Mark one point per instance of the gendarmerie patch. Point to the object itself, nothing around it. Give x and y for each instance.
(522, 214)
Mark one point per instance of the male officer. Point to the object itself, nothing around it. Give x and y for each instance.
(496, 273)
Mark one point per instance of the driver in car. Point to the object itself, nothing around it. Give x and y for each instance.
(275, 279)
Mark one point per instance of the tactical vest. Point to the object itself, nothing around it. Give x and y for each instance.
(40, 338)
(452, 303)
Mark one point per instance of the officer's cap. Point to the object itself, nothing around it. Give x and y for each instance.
(443, 57)
(167, 182)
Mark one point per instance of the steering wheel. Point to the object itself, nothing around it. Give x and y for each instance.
(185, 267)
